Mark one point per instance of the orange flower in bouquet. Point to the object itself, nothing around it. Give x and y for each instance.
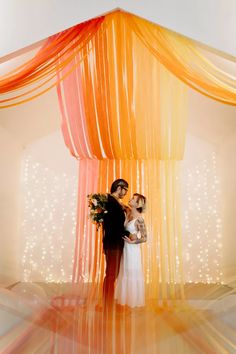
(97, 204)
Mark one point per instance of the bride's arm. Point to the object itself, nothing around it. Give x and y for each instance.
(141, 229)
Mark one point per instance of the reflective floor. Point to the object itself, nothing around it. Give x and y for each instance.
(205, 323)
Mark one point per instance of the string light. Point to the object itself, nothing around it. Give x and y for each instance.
(202, 224)
(48, 225)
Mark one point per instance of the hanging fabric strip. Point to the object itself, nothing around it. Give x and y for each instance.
(185, 58)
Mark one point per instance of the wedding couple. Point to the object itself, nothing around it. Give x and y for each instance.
(124, 230)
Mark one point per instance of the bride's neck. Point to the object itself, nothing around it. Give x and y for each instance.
(134, 213)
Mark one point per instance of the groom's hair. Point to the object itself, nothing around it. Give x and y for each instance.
(119, 183)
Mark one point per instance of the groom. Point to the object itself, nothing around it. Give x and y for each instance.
(113, 242)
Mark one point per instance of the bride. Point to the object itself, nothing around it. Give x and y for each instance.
(130, 282)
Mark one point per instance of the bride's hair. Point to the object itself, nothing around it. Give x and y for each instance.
(141, 200)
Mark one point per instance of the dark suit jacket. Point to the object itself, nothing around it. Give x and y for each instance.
(113, 225)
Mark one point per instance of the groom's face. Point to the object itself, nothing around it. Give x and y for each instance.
(122, 191)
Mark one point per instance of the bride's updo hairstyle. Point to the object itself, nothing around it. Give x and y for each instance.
(141, 200)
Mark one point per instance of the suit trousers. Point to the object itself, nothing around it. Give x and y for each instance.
(113, 257)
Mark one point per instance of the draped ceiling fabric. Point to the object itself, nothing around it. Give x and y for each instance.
(181, 56)
(38, 75)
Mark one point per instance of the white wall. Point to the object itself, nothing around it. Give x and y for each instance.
(227, 153)
(211, 132)
(10, 161)
(209, 21)
(20, 127)
(202, 190)
(48, 210)
(32, 120)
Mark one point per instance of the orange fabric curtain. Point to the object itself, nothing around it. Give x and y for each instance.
(162, 257)
(127, 115)
(38, 75)
(136, 129)
(184, 59)
(181, 56)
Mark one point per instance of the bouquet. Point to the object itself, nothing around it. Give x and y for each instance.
(97, 204)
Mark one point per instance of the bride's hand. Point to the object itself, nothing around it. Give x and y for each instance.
(127, 239)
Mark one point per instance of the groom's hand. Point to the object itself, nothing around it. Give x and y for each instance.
(127, 239)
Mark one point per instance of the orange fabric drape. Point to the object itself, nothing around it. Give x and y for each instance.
(41, 71)
(127, 115)
(112, 114)
(180, 55)
(183, 58)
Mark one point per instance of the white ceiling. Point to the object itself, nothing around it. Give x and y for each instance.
(24, 22)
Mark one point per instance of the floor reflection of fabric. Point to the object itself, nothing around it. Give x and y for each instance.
(164, 331)
(206, 324)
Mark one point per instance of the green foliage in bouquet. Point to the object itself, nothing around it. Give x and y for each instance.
(97, 204)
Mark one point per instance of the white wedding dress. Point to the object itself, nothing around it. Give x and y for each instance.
(130, 282)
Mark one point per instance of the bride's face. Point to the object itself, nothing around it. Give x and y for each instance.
(133, 202)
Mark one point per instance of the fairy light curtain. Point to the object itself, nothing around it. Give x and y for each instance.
(118, 123)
